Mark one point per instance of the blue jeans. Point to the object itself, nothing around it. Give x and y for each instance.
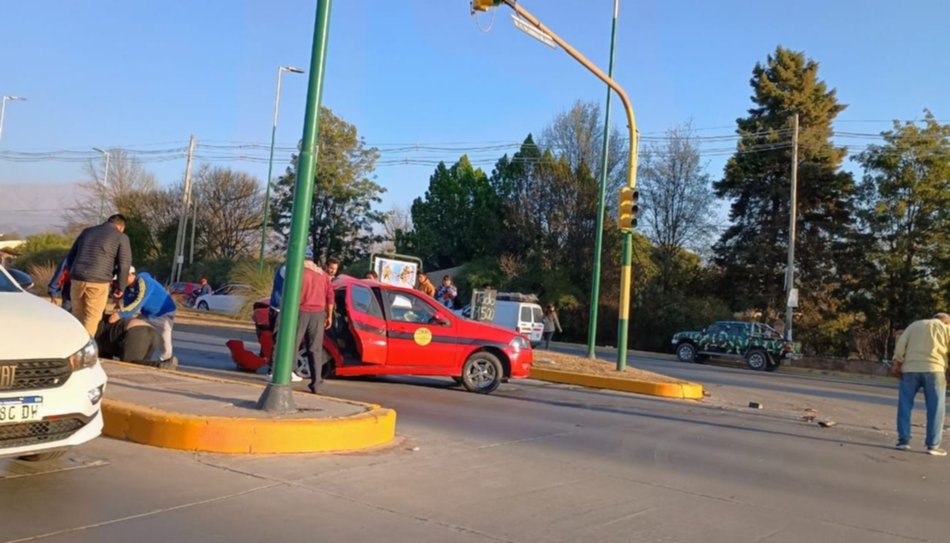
(935, 390)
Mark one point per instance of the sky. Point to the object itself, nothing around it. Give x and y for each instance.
(145, 75)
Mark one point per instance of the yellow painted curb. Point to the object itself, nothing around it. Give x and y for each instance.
(185, 432)
(685, 390)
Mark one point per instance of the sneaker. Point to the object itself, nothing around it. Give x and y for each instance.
(169, 363)
(936, 451)
(294, 378)
(901, 446)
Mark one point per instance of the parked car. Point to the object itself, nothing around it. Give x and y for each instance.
(51, 381)
(182, 291)
(227, 299)
(382, 329)
(517, 312)
(762, 347)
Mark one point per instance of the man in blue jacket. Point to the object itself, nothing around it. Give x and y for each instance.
(148, 299)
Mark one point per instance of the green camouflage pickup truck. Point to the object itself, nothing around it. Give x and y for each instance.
(762, 347)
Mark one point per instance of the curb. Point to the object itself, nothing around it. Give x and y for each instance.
(246, 435)
(681, 391)
(184, 432)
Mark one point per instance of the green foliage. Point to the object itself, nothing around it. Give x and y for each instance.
(757, 180)
(905, 217)
(48, 248)
(247, 272)
(456, 220)
(342, 217)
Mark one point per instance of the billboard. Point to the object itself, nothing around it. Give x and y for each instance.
(396, 272)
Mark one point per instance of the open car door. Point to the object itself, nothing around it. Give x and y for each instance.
(366, 324)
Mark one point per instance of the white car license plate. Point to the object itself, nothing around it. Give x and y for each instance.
(21, 409)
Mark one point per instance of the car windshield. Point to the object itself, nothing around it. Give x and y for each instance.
(6, 285)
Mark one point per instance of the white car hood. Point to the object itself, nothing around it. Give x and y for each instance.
(32, 327)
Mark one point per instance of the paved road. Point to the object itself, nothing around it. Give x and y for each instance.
(532, 462)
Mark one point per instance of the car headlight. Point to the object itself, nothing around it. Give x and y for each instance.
(86, 357)
(520, 343)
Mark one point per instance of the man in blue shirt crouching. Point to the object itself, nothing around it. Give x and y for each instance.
(147, 298)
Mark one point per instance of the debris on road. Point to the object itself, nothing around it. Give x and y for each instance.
(755, 405)
(826, 423)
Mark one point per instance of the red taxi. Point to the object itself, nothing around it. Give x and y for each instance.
(381, 329)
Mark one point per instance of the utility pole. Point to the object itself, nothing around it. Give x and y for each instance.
(791, 300)
(599, 243)
(3, 108)
(180, 238)
(194, 223)
(278, 396)
(105, 181)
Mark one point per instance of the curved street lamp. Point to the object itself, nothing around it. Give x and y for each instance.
(3, 108)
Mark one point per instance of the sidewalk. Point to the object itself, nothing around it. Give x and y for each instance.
(196, 413)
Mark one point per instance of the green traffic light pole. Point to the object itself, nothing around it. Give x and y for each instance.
(626, 272)
(278, 396)
(599, 243)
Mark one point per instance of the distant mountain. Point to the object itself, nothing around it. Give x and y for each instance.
(32, 208)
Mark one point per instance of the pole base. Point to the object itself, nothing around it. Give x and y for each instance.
(277, 399)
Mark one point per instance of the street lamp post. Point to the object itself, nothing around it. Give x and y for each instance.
(626, 271)
(278, 396)
(3, 108)
(601, 204)
(270, 162)
(105, 181)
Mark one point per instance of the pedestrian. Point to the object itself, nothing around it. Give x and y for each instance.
(316, 315)
(98, 254)
(551, 323)
(425, 286)
(204, 287)
(132, 340)
(446, 293)
(273, 311)
(59, 286)
(371, 275)
(333, 266)
(146, 298)
(920, 359)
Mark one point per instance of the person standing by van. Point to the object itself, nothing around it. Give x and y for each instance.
(550, 325)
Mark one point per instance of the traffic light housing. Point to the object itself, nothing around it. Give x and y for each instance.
(628, 209)
(483, 5)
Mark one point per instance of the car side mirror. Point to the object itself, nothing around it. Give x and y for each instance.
(22, 278)
(441, 320)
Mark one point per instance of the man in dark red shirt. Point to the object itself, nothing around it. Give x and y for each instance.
(316, 314)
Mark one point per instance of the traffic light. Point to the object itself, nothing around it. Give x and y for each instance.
(628, 209)
(483, 5)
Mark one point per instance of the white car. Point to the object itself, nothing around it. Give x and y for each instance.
(227, 299)
(51, 381)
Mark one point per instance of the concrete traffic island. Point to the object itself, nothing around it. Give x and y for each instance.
(575, 370)
(189, 412)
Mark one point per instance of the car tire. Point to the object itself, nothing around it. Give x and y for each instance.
(686, 352)
(202, 306)
(482, 373)
(302, 368)
(42, 457)
(757, 359)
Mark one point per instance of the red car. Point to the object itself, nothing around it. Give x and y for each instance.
(386, 330)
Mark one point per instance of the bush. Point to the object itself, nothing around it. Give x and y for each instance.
(248, 273)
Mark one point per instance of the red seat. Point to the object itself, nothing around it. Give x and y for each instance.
(245, 360)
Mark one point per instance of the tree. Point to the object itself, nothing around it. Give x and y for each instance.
(343, 220)
(397, 224)
(677, 197)
(456, 220)
(127, 181)
(905, 217)
(752, 251)
(229, 212)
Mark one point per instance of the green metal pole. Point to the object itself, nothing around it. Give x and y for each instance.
(598, 244)
(278, 395)
(265, 219)
(626, 276)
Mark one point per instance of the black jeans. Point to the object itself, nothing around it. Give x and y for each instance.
(546, 337)
(310, 325)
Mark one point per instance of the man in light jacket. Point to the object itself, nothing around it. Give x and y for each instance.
(921, 354)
